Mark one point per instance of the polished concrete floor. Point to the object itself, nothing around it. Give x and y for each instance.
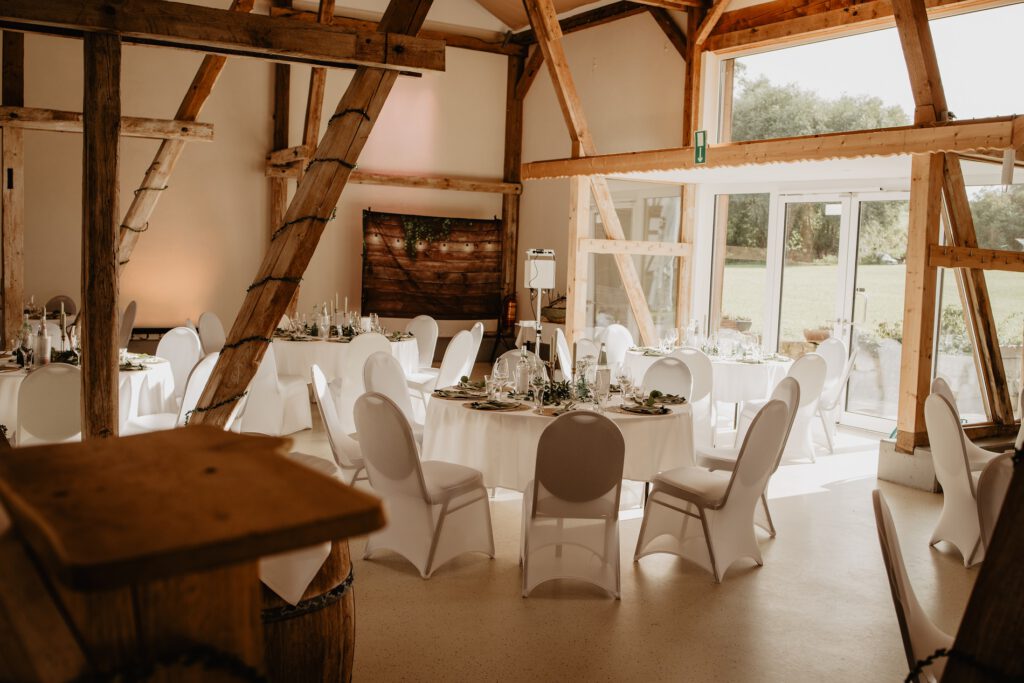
(819, 608)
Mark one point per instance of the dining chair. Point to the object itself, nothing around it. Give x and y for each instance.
(424, 330)
(977, 456)
(668, 375)
(617, 340)
(958, 522)
(436, 510)
(921, 637)
(127, 325)
(587, 348)
(344, 446)
(180, 347)
(724, 502)
(50, 405)
(383, 374)
(276, 406)
(194, 387)
(53, 305)
(512, 359)
(809, 372)
(211, 332)
(993, 483)
(564, 355)
(832, 398)
(452, 368)
(477, 332)
(787, 391)
(702, 405)
(570, 527)
(348, 386)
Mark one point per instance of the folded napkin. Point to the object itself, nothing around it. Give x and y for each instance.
(495, 405)
(645, 410)
(455, 393)
(670, 400)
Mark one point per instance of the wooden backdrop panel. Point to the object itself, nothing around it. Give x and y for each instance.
(453, 277)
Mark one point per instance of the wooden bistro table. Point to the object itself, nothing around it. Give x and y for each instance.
(140, 553)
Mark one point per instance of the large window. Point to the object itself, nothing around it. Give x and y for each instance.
(741, 258)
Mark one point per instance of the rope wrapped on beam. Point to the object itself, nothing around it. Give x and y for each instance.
(273, 278)
(331, 160)
(361, 112)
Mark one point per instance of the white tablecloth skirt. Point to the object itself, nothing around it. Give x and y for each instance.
(734, 382)
(296, 358)
(504, 445)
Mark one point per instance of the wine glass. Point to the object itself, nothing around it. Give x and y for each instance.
(602, 387)
(538, 383)
(500, 373)
(625, 379)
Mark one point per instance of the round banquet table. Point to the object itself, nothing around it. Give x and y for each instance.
(503, 445)
(734, 380)
(152, 389)
(297, 357)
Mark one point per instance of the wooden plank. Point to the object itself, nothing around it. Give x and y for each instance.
(941, 256)
(534, 64)
(671, 29)
(584, 20)
(245, 499)
(131, 126)
(513, 162)
(678, 5)
(545, 22)
(577, 264)
(317, 84)
(919, 53)
(919, 300)
(100, 157)
(288, 155)
(311, 208)
(784, 22)
(282, 108)
(451, 39)
(193, 27)
(952, 136)
(12, 193)
(604, 246)
(437, 182)
(158, 173)
(708, 23)
(693, 93)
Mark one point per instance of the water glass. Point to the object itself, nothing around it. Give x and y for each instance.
(602, 387)
(491, 387)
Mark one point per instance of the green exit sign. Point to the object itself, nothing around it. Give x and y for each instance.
(700, 147)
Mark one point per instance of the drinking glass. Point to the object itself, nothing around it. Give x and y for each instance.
(500, 373)
(538, 383)
(602, 387)
(490, 385)
(625, 379)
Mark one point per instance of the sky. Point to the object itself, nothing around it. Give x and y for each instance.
(979, 59)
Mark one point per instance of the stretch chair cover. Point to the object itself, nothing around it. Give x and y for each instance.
(127, 324)
(809, 372)
(477, 333)
(787, 391)
(993, 483)
(832, 397)
(587, 348)
(49, 405)
(435, 510)
(344, 446)
(833, 350)
(669, 376)
(700, 399)
(452, 367)
(194, 387)
(349, 386)
(211, 332)
(921, 637)
(958, 523)
(722, 502)
(564, 355)
(53, 305)
(383, 374)
(276, 406)
(976, 455)
(424, 330)
(617, 340)
(182, 349)
(571, 507)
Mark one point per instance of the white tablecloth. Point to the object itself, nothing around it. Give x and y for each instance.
(504, 445)
(152, 391)
(296, 358)
(734, 381)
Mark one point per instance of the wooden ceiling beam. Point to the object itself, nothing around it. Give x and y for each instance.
(585, 20)
(953, 136)
(709, 22)
(943, 256)
(192, 27)
(131, 126)
(533, 65)
(459, 40)
(678, 5)
(671, 29)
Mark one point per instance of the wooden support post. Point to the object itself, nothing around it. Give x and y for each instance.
(671, 29)
(154, 182)
(102, 110)
(512, 171)
(307, 216)
(282, 109)
(544, 20)
(12, 195)
(317, 84)
(577, 265)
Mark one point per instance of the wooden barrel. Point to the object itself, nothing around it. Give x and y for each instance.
(315, 639)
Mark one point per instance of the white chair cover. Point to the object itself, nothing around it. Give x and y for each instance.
(436, 510)
(977, 456)
(921, 637)
(723, 502)
(344, 448)
(700, 397)
(383, 374)
(958, 523)
(53, 305)
(669, 376)
(424, 330)
(452, 369)
(993, 483)
(49, 405)
(477, 332)
(351, 379)
(181, 348)
(587, 348)
(617, 340)
(275, 407)
(832, 398)
(809, 372)
(194, 387)
(211, 332)
(571, 508)
(564, 354)
(127, 324)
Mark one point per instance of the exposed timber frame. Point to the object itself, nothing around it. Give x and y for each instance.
(294, 242)
(12, 194)
(545, 24)
(58, 121)
(511, 172)
(585, 20)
